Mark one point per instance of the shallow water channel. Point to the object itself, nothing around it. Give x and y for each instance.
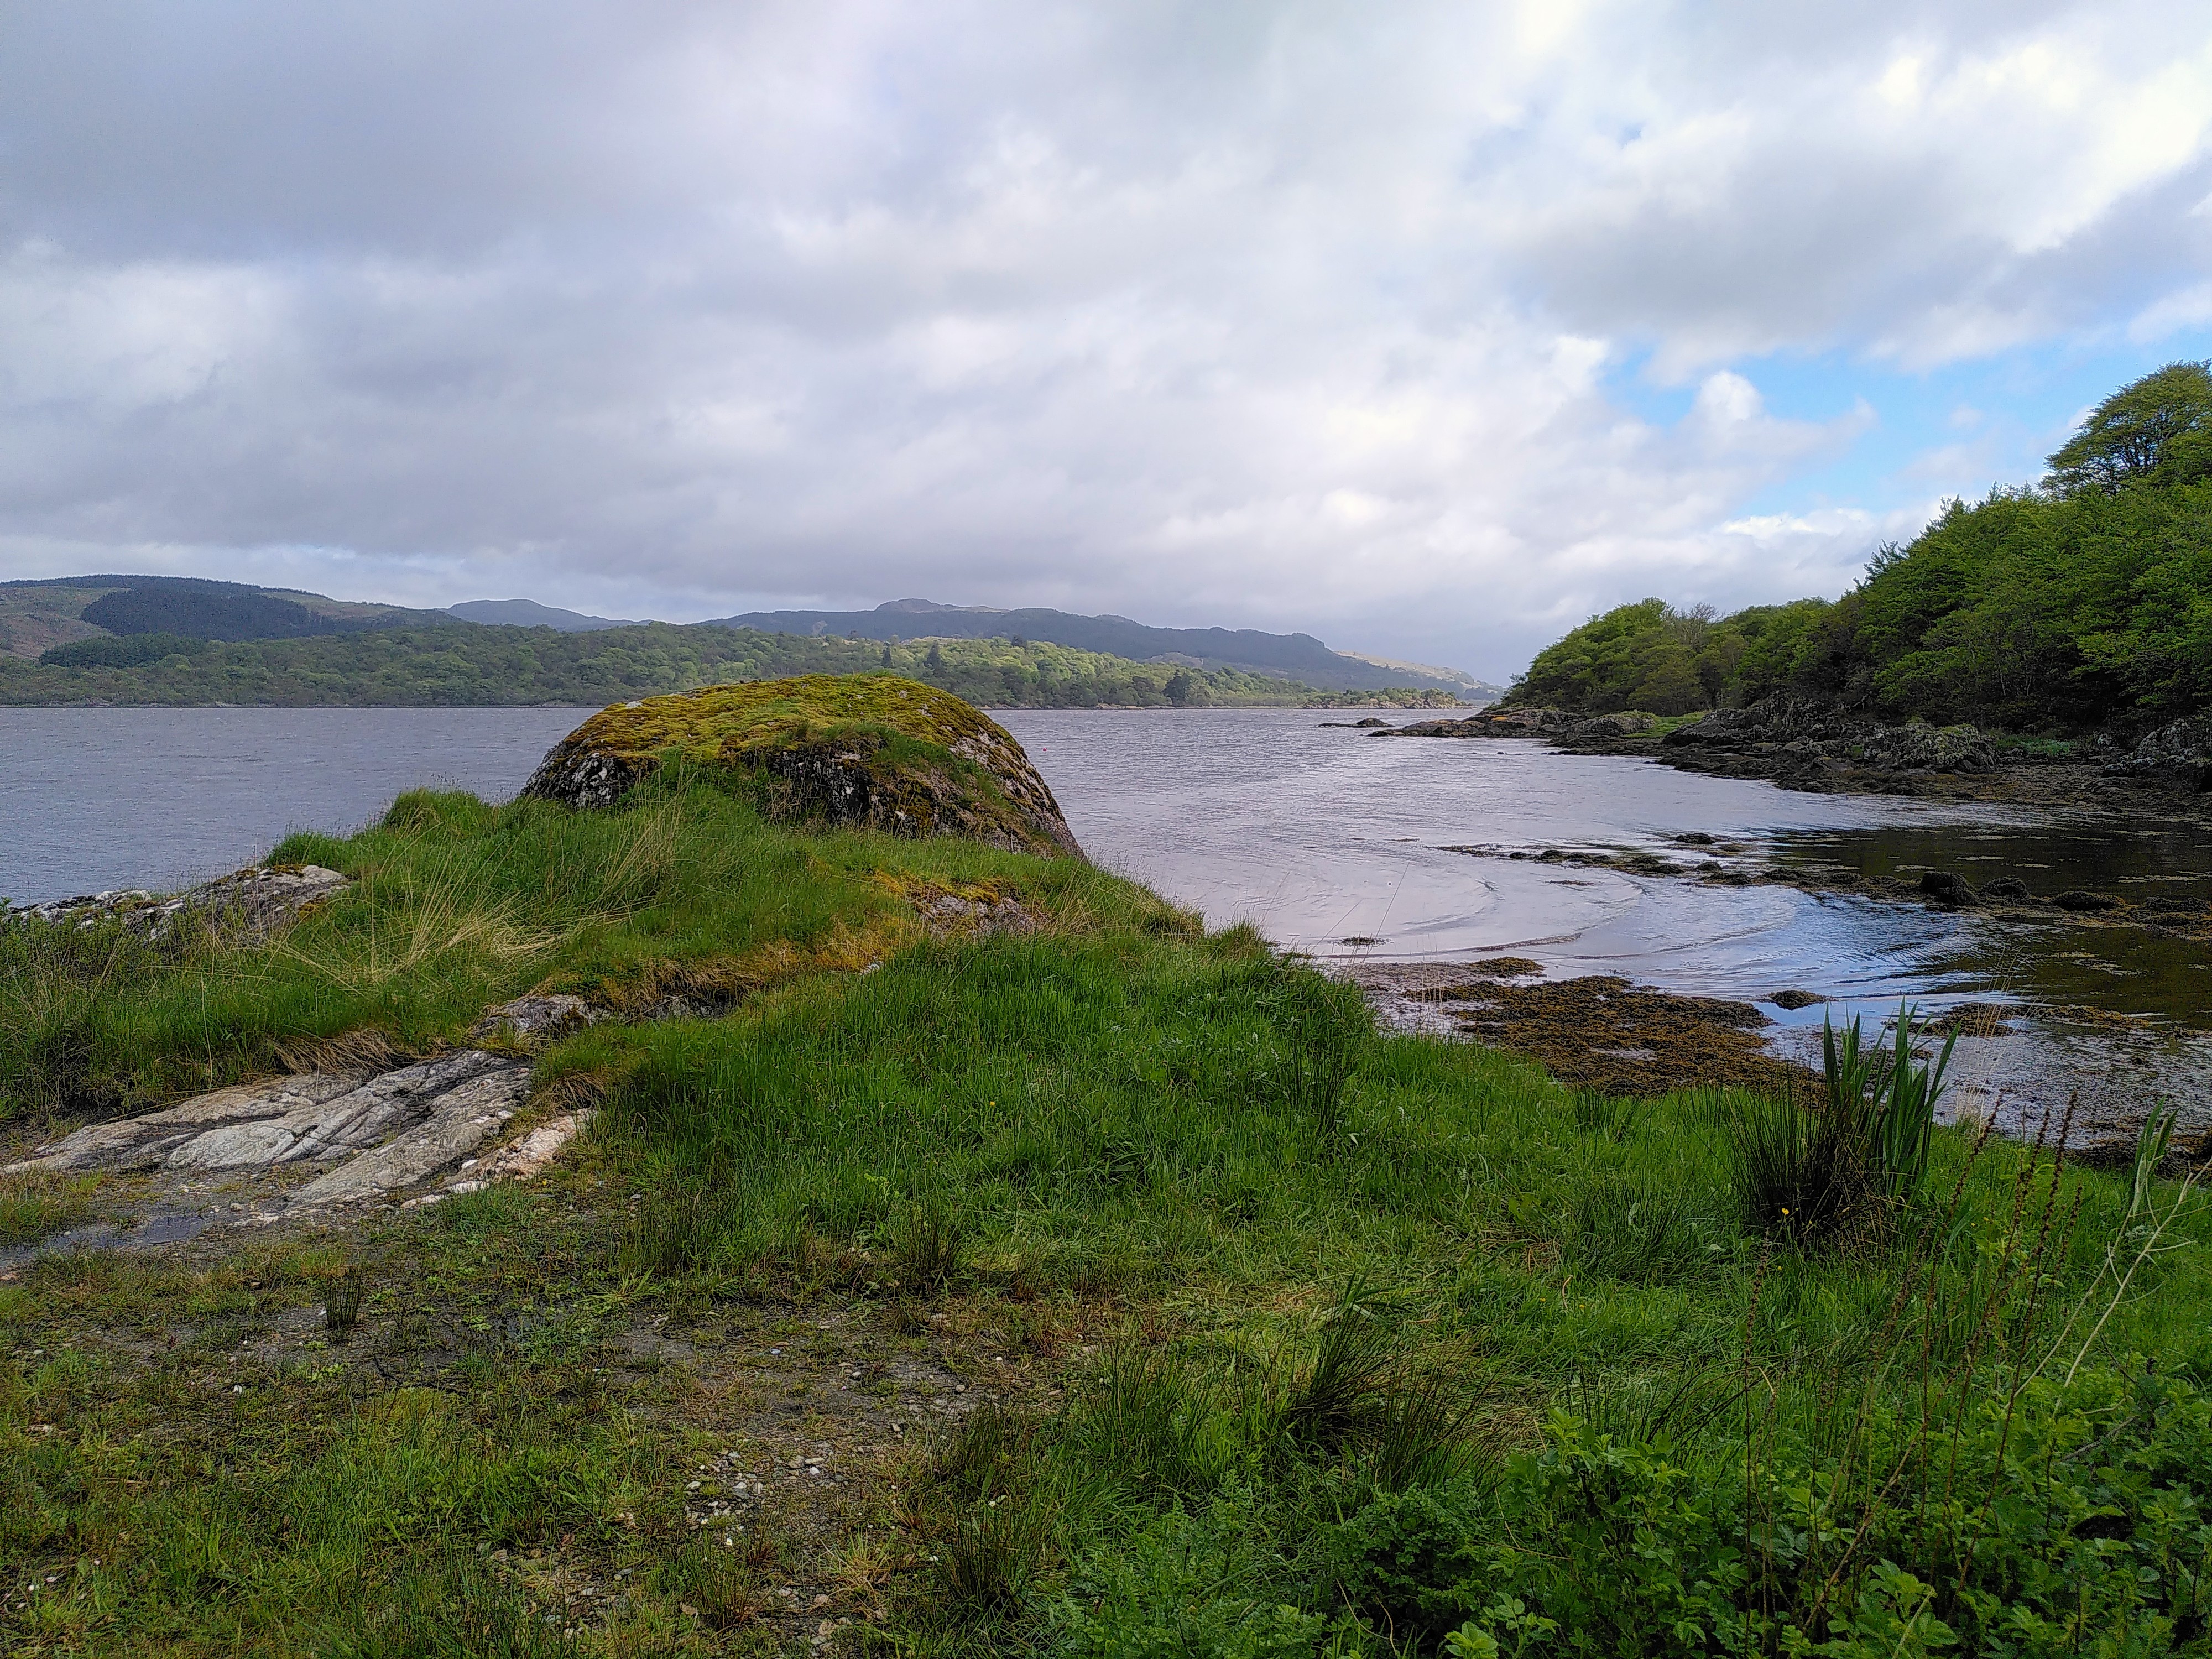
(1343, 845)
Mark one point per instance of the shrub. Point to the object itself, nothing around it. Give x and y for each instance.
(2029, 1523)
(1856, 1161)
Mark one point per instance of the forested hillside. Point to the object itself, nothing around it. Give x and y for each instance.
(459, 664)
(2080, 602)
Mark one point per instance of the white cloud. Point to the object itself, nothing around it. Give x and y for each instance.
(1288, 315)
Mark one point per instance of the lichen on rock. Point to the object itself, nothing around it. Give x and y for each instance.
(869, 751)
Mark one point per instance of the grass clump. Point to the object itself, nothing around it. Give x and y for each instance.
(1859, 1158)
(38, 1204)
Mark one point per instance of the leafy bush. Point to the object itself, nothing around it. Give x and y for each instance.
(1186, 1584)
(2029, 1524)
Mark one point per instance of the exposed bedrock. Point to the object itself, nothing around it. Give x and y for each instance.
(414, 1120)
(250, 903)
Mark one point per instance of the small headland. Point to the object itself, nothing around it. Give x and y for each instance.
(958, 1250)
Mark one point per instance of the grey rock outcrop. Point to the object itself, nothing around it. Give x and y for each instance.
(2179, 755)
(248, 904)
(1788, 731)
(383, 1133)
(1499, 723)
(533, 1020)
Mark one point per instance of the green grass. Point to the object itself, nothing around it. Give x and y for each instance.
(456, 906)
(1327, 1341)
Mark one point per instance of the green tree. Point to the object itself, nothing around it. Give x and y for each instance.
(2157, 430)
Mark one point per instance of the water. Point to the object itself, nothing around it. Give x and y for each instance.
(92, 798)
(1340, 844)
(1328, 841)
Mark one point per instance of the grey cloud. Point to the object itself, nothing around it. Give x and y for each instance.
(1290, 315)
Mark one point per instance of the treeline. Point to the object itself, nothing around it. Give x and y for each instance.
(2081, 602)
(463, 665)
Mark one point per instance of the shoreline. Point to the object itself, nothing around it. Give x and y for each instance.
(1937, 764)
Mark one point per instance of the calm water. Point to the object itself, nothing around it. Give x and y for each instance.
(92, 798)
(1327, 840)
(1340, 844)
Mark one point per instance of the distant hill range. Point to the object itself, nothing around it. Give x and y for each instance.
(37, 616)
(144, 615)
(528, 613)
(1290, 656)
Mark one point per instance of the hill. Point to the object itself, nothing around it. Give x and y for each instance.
(1292, 656)
(37, 616)
(2080, 604)
(124, 625)
(528, 613)
(450, 662)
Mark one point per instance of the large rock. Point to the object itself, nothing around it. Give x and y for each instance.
(863, 749)
(1777, 721)
(1916, 747)
(318, 1118)
(2179, 755)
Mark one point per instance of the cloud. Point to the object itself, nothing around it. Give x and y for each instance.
(1291, 315)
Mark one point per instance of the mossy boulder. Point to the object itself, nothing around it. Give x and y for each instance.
(863, 749)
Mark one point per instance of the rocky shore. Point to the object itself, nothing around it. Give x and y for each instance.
(1818, 749)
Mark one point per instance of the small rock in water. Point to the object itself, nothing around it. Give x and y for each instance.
(1793, 1000)
(2078, 900)
(1946, 888)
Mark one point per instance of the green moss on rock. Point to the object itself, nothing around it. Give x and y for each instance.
(869, 749)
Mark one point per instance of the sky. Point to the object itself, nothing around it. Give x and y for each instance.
(1428, 329)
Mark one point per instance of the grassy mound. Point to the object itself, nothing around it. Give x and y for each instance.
(875, 749)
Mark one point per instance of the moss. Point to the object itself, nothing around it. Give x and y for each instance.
(721, 721)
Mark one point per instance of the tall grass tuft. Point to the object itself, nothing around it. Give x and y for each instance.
(343, 1295)
(1327, 1027)
(1817, 1174)
(930, 1247)
(679, 1230)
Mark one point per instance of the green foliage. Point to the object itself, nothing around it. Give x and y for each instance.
(2085, 604)
(2155, 430)
(459, 664)
(1652, 657)
(2038, 1520)
(119, 651)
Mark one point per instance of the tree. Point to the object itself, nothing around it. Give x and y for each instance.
(1178, 688)
(936, 657)
(2155, 430)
